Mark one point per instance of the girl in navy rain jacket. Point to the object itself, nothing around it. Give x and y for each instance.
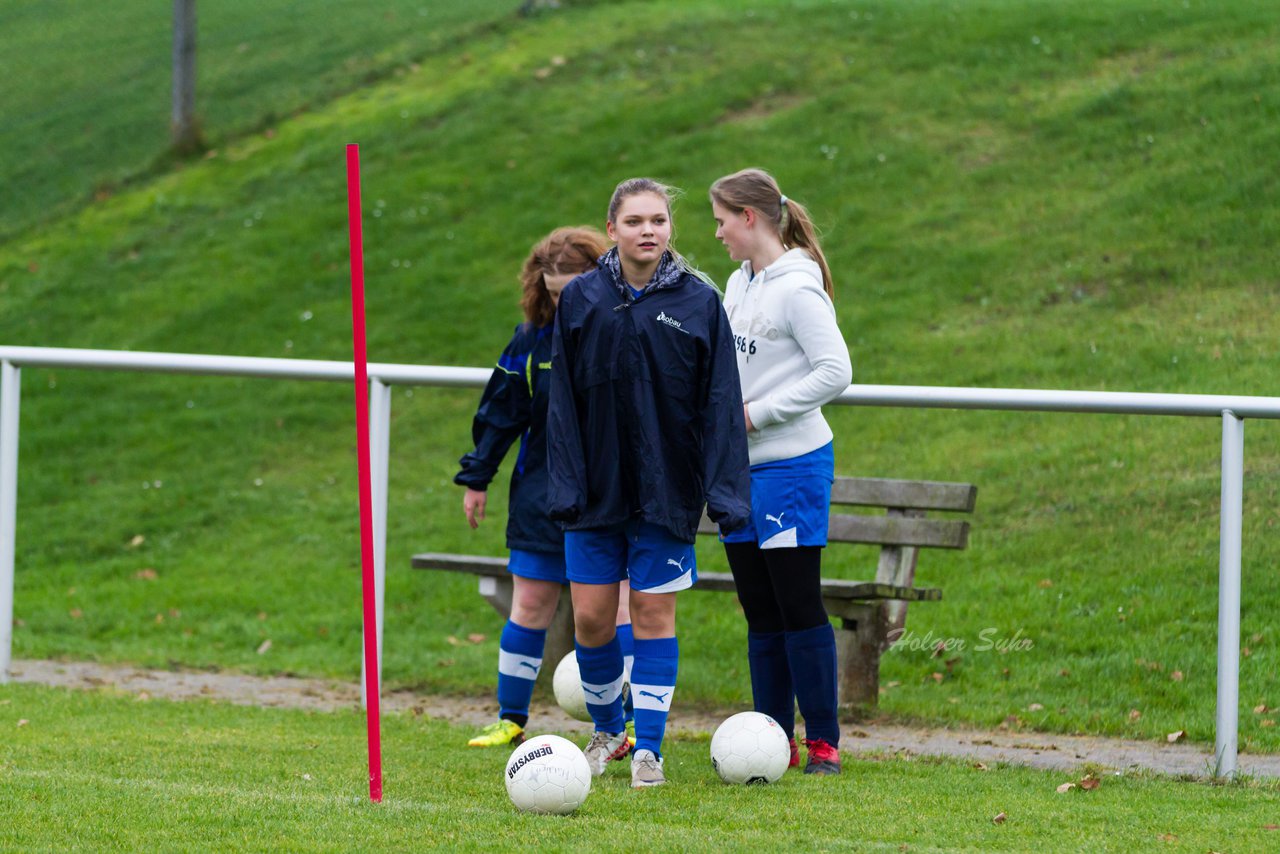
(646, 428)
(514, 406)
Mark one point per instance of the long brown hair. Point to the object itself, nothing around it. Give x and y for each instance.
(758, 190)
(573, 249)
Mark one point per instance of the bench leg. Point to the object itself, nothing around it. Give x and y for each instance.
(559, 639)
(858, 643)
(497, 592)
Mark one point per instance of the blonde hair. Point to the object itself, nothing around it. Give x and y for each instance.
(573, 249)
(758, 190)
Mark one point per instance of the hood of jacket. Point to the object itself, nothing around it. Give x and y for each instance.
(792, 261)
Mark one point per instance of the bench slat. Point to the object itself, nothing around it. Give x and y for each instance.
(906, 494)
(835, 588)
(898, 531)
(886, 531)
(832, 588)
(471, 564)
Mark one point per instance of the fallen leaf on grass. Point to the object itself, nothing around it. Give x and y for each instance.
(1134, 714)
(1035, 707)
(76, 613)
(1089, 783)
(999, 818)
(143, 696)
(980, 766)
(1065, 787)
(137, 541)
(475, 637)
(1168, 837)
(452, 641)
(1260, 709)
(1044, 582)
(1011, 721)
(23, 722)
(1266, 722)
(1175, 737)
(264, 646)
(1176, 676)
(937, 677)
(1271, 827)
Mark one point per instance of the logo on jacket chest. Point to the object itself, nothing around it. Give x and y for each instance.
(663, 317)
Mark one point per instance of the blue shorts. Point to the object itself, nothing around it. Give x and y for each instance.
(790, 502)
(542, 566)
(655, 561)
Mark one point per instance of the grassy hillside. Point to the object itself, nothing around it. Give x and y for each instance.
(87, 99)
(1013, 194)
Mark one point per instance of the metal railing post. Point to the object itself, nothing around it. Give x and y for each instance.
(379, 471)
(1232, 508)
(9, 393)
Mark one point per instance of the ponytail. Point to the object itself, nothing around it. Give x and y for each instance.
(758, 190)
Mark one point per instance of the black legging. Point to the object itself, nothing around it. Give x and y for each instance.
(780, 589)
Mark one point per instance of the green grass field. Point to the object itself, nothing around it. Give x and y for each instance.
(97, 771)
(1013, 193)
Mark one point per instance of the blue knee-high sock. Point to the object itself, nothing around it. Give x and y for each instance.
(653, 682)
(812, 656)
(628, 642)
(771, 678)
(519, 660)
(601, 670)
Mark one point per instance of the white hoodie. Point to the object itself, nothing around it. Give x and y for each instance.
(791, 356)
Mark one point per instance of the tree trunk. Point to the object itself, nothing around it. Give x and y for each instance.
(183, 126)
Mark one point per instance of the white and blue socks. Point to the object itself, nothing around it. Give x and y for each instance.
(653, 683)
(812, 656)
(519, 661)
(601, 671)
(771, 688)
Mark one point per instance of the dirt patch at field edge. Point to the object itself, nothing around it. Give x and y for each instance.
(1039, 750)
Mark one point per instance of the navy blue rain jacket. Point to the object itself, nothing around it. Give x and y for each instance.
(646, 408)
(514, 405)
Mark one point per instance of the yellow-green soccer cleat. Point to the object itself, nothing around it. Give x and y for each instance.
(497, 734)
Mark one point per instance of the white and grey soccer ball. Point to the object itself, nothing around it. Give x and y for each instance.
(750, 747)
(566, 684)
(548, 774)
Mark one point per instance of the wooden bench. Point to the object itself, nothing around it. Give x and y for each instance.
(872, 614)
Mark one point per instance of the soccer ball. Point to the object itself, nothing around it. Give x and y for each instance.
(548, 774)
(566, 684)
(748, 748)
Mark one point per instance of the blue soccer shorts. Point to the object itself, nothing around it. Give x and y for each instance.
(790, 502)
(655, 561)
(541, 566)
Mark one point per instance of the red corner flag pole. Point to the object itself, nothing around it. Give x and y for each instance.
(366, 490)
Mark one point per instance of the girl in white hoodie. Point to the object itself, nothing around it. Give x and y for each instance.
(791, 360)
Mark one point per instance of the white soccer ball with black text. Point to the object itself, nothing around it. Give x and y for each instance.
(750, 747)
(566, 684)
(548, 774)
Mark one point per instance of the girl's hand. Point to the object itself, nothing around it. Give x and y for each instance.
(473, 505)
(746, 416)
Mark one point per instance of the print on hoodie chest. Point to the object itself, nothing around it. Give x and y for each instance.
(745, 335)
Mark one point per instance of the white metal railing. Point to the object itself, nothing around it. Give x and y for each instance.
(1232, 409)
